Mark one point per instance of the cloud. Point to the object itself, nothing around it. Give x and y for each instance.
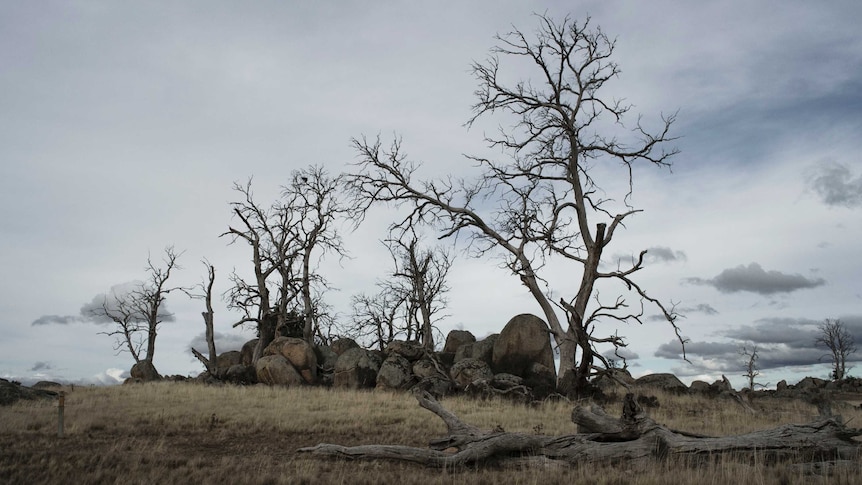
(57, 320)
(224, 342)
(654, 255)
(835, 185)
(94, 310)
(781, 343)
(705, 308)
(40, 366)
(623, 352)
(661, 254)
(755, 279)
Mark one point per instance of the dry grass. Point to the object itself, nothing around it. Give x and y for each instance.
(185, 433)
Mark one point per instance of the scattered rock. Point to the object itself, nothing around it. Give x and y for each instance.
(457, 338)
(11, 392)
(667, 382)
(299, 353)
(46, 385)
(342, 345)
(356, 368)
(395, 373)
(411, 351)
(145, 371)
(275, 370)
(468, 370)
(247, 352)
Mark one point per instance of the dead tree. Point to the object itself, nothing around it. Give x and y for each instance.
(840, 343)
(287, 240)
(211, 362)
(750, 357)
(140, 311)
(552, 202)
(601, 439)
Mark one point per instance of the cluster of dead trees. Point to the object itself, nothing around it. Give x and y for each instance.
(542, 202)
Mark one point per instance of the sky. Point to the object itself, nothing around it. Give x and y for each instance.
(123, 127)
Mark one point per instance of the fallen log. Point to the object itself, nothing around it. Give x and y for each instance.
(633, 438)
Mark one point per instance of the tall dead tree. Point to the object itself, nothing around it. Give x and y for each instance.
(750, 356)
(834, 337)
(316, 199)
(211, 362)
(287, 241)
(561, 147)
(269, 233)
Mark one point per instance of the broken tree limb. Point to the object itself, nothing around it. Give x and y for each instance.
(634, 438)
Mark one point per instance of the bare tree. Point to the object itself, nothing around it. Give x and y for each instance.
(409, 300)
(211, 362)
(562, 141)
(840, 343)
(287, 240)
(750, 357)
(375, 317)
(141, 310)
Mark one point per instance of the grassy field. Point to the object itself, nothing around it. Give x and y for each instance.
(170, 433)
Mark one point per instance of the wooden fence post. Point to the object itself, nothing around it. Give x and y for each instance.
(60, 409)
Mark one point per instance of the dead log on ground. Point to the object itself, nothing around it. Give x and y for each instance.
(633, 438)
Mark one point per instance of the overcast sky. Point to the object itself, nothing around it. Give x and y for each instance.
(124, 125)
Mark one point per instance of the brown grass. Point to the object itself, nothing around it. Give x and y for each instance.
(186, 433)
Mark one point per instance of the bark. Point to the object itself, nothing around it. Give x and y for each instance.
(634, 438)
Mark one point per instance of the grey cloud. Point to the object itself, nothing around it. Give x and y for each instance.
(623, 352)
(753, 278)
(41, 366)
(662, 254)
(224, 342)
(781, 342)
(655, 254)
(699, 308)
(673, 350)
(91, 312)
(835, 184)
(57, 319)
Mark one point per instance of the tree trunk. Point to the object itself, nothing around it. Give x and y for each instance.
(634, 437)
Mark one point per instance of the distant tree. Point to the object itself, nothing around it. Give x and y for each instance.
(750, 356)
(139, 312)
(551, 204)
(840, 343)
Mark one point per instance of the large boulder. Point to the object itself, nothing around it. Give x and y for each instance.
(356, 368)
(613, 378)
(343, 345)
(541, 380)
(525, 340)
(299, 353)
(482, 349)
(426, 368)
(463, 373)
(326, 359)
(247, 352)
(275, 370)
(226, 360)
(811, 383)
(410, 350)
(241, 374)
(145, 371)
(10, 392)
(457, 338)
(395, 373)
(437, 385)
(666, 382)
